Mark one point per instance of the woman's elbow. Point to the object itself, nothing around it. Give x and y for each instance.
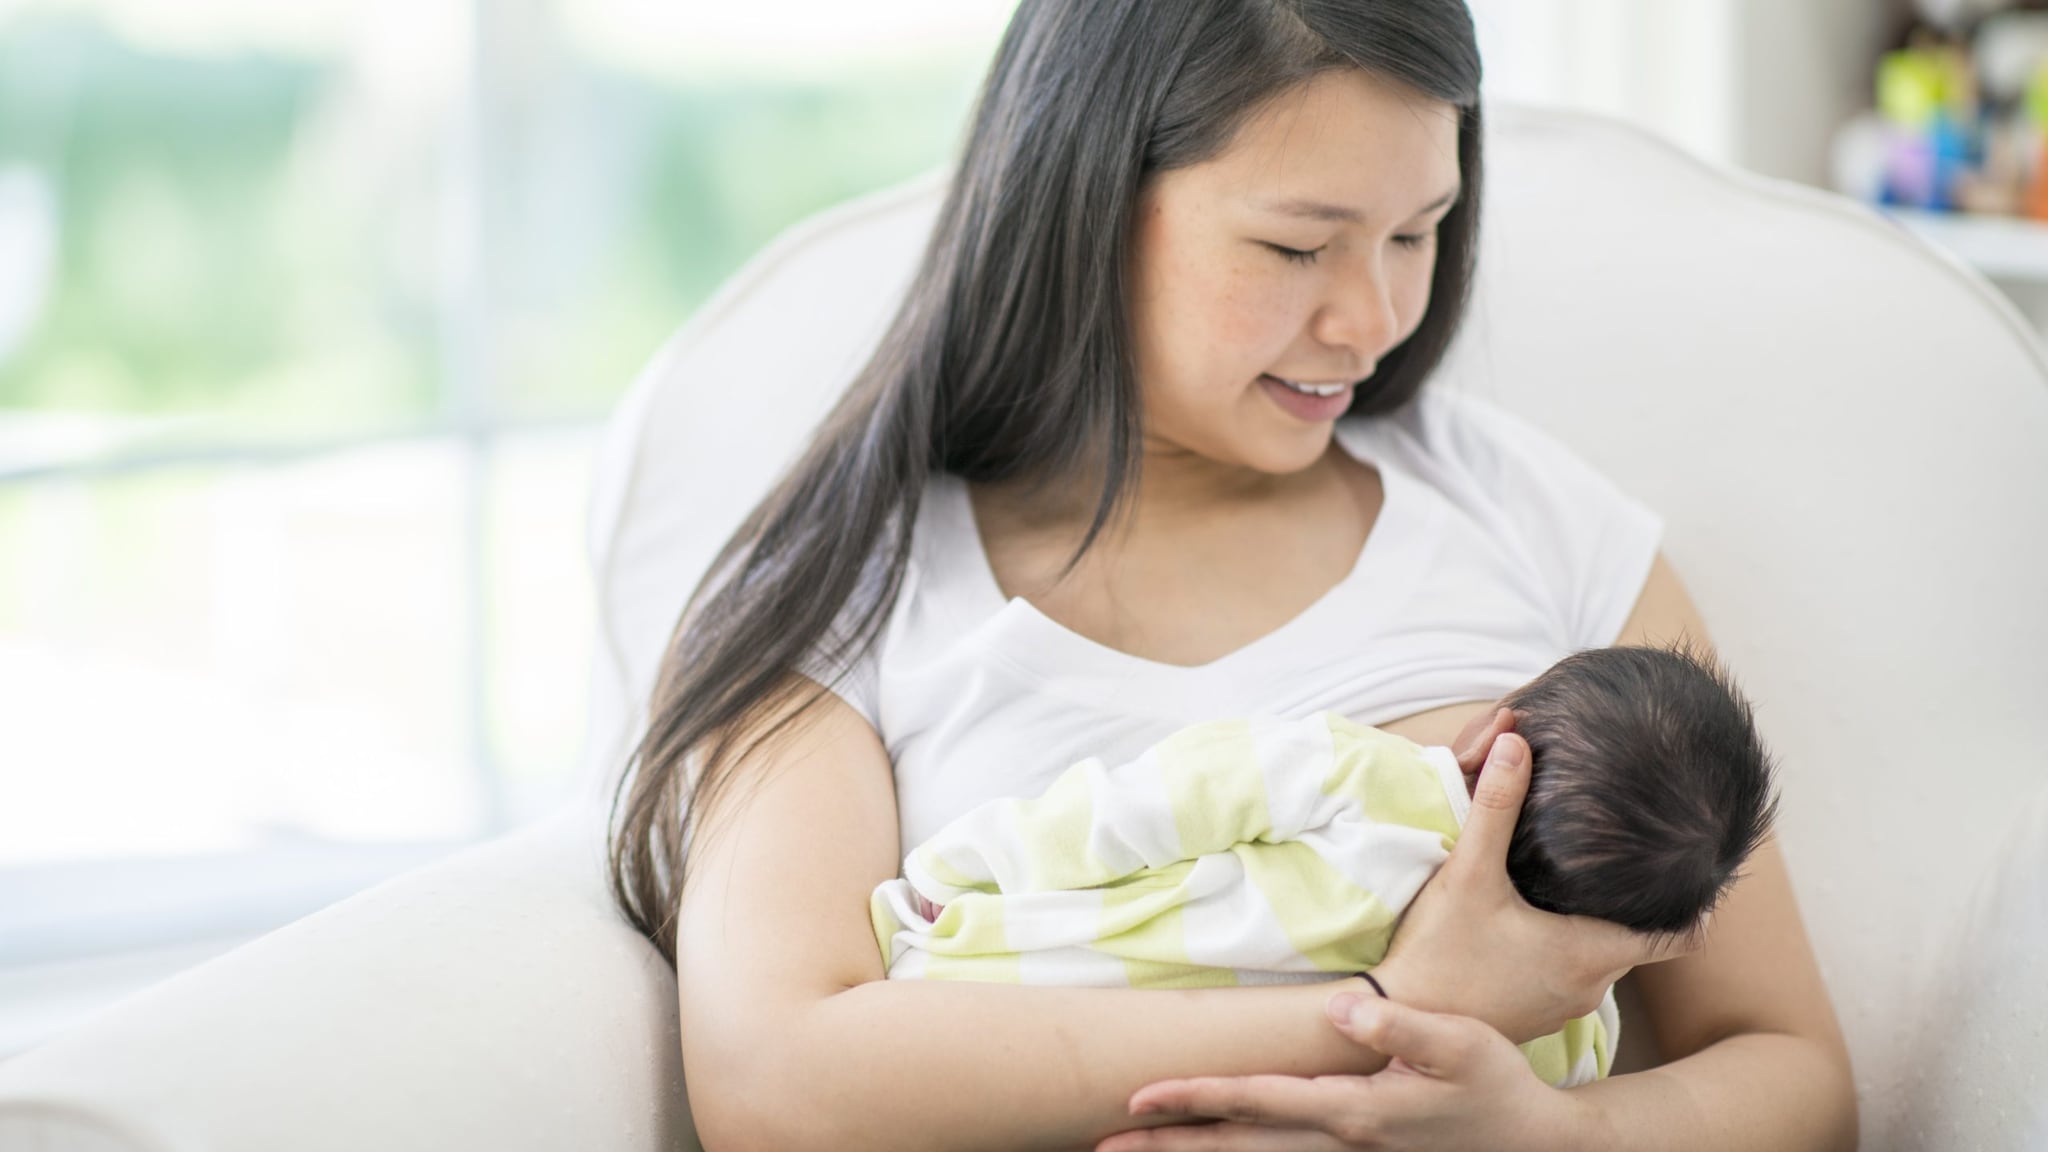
(1832, 1078)
(1842, 1090)
(730, 1122)
(767, 1095)
(1829, 1095)
(732, 1116)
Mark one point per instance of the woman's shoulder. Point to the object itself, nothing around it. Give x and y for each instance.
(1590, 542)
(945, 561)
(838, 660)
(1475, 449)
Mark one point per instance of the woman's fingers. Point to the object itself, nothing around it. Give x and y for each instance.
(1496, 805)
(1437, 1046)
(1227, 1137)
(1452, 1082)
(1260, 1114)
(1272, 1101)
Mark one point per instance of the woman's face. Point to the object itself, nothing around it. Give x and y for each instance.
(1304, 252)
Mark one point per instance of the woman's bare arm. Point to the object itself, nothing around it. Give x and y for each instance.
(1757, 1056)
(794, 1039)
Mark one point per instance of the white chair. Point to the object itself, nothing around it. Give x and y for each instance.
(1847, 435)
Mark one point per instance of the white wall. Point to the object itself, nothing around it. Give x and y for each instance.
(1804, 67)
(1758, 83)
(1665, 64)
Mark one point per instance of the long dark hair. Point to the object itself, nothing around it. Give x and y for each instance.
(1011, 356)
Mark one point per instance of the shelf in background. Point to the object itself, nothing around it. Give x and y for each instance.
(2001, 247)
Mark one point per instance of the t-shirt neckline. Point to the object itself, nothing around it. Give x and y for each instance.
(1037, 642)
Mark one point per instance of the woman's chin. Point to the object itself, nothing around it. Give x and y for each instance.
(1284, 454)
(1254, 441)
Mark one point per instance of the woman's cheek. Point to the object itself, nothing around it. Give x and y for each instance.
(1249, 345)
(1252, 324)
(1414, 303)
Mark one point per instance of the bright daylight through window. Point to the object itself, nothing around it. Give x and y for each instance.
(309, 317)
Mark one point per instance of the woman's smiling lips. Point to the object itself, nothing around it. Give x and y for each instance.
(1308, 402)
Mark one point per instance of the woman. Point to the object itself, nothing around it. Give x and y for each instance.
(1186, 237)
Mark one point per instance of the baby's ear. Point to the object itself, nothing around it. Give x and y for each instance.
(1672, 945)
(1694, 938)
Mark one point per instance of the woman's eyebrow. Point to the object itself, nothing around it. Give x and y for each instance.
(1337, 213)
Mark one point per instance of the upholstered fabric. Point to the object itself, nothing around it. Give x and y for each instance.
(494, 1000)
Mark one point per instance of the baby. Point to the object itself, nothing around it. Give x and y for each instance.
(1262, 851)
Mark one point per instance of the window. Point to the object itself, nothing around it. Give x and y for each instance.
(309, 316)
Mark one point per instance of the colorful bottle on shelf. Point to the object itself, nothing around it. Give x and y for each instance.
(2036, 114)
(1928, 97)
(1907, 96)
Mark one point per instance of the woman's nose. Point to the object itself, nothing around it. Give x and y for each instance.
(1359, 316)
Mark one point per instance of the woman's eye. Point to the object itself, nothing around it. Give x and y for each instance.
(1298, 255)
(1415, 241)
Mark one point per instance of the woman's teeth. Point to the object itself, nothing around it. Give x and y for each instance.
(1314, 389)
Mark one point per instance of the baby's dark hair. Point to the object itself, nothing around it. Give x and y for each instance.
(1649, 788)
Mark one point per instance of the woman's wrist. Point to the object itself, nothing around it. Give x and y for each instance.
(1372, 982)
(1412, 987)
(1393, 981)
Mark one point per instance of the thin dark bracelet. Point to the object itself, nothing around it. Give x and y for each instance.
(1367, 977)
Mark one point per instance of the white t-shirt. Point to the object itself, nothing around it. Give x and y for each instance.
(1496, 554)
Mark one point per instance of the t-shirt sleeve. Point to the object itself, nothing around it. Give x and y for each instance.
(855, 680)
(1591, 544)
(853, 677)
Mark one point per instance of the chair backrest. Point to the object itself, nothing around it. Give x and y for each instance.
(1846, 432)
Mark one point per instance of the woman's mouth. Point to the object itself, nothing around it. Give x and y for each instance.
(1313, 389)
(1306, 400)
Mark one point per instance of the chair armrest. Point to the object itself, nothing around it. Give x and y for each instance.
(1981, 1041)
(492, 1000)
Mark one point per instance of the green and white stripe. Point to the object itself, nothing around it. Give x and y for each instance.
(1233, 852)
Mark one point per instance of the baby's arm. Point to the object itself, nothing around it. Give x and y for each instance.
(793, 1039)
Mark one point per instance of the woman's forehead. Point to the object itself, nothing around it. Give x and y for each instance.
(1344, 143)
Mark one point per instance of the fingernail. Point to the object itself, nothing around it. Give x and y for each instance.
(1506, 753)
(1342, 1005)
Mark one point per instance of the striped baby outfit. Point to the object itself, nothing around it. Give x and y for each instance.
(1233, 852)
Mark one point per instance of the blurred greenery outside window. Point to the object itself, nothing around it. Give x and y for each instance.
(261, 233)
(307, 318)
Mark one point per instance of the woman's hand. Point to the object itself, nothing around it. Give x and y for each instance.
(1453, 1083)
(1470, 944)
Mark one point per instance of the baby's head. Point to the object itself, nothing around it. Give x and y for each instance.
(1649, 788)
